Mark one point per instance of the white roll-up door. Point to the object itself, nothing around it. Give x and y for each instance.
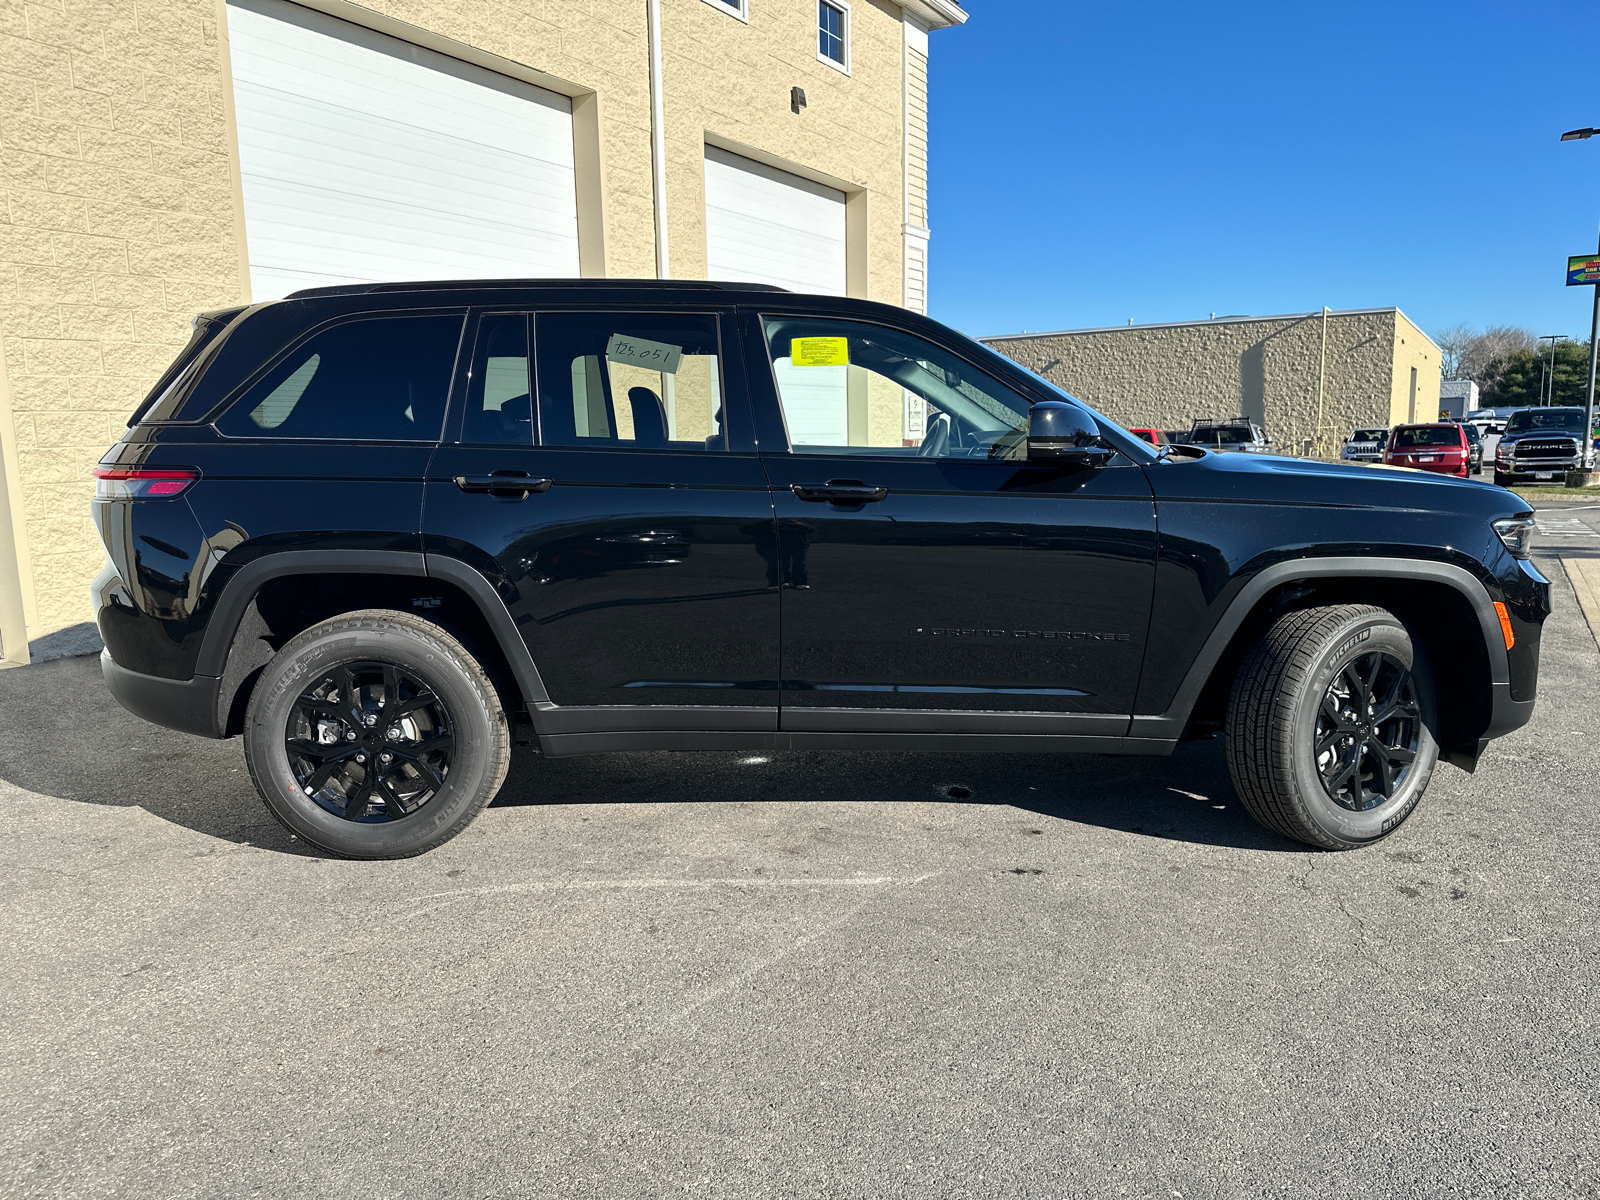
(368, 159)
(768, 226)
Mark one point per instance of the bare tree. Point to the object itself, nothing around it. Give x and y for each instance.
(1454, 344)
(1480, 357)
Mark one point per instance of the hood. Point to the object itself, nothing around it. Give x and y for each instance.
(1275, 478)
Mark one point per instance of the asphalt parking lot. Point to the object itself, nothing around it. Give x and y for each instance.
(646, 975)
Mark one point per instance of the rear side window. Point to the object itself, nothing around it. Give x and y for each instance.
(630, 380)
(370, 379)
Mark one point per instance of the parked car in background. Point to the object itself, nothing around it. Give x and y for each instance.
(1238, 434)
(1364, 445)
(1539, 444)
(1156, 437)
(1440, 447)
(1474, 447)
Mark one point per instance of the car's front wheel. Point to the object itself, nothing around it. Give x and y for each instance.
(1330, 731)
(375, 735)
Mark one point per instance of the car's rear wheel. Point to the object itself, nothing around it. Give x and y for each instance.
(1330, 729)
(375, 735)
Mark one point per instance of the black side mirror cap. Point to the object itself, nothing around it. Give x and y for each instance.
(1063, 433)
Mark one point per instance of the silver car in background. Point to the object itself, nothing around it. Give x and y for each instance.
(1365, 445)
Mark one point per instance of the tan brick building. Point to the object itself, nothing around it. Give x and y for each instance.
(161, 157)
(1356, 368)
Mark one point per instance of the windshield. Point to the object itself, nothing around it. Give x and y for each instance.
(1369, 435)
(1222, 435)
(1564, 420)
(1428, 435)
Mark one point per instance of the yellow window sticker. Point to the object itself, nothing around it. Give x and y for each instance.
(820, 352)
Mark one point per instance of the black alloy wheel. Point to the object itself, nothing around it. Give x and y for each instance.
(1331, 725)
(376, 734)
(370, 742)
(1367, 731)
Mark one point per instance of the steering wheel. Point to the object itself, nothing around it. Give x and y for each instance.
(936, 442)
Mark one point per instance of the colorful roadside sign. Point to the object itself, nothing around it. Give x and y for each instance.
(1583, 268)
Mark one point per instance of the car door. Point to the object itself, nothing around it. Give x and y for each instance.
(606, 484)
(932, 577)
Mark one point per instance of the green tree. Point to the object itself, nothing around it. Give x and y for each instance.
(1519, 377)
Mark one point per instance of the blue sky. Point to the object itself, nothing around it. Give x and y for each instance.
(1163, 161)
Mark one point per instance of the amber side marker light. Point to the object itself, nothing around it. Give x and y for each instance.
(142, 483)
(1505, 624)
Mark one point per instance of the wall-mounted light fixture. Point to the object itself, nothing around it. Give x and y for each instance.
(797, 99)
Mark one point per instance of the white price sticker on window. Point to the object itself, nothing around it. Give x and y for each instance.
(642, 352)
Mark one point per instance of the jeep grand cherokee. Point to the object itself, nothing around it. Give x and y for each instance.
(369, 528)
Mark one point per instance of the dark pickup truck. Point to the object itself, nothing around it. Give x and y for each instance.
(372, 528)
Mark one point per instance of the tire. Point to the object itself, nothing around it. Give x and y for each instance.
(1501, 480)
(322, 714)
(1276, 714)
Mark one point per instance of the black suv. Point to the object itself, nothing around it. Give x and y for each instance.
(372, 528)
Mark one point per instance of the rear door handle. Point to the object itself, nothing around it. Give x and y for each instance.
(839, 491)
(503, 483)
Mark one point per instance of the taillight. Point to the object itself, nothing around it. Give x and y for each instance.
(142, 483)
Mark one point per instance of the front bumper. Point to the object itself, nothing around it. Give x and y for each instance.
(187, 705)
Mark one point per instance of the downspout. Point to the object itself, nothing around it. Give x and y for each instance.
(1322, 379)
(658, 141)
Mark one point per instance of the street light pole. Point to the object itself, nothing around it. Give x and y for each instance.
(1583, 135)
(1547, 375)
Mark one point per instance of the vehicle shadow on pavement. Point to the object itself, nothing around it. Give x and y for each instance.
(62, 735)
(1187, 797)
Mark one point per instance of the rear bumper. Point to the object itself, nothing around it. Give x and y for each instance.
(187, 705)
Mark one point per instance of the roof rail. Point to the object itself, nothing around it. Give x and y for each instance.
(441, 285)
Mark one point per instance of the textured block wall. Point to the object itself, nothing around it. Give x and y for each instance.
(1166, 376)
(116, 227)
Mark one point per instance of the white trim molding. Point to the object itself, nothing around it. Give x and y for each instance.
(734, 8)
(938, 14)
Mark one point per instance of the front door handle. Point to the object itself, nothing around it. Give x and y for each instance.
(839, 491)
(503, 483)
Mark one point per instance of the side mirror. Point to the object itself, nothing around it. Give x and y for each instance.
(1063, 433)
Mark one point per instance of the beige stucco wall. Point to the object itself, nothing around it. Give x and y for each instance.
(119, 217)
(1414, 349)
(1164, 376)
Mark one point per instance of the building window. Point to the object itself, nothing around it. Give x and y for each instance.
(734, 8)
(833, 33)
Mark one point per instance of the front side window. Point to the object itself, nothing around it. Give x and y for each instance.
(372, 379)
(649, 381)
(849, 387)
(833, 33)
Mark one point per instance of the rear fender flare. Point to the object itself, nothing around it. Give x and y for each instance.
(241, 589)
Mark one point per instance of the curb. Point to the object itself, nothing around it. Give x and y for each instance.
(1584, 575)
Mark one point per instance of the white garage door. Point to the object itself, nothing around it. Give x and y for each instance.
(368, 159)
(767, 226)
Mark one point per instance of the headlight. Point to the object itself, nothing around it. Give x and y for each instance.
(1517, 534)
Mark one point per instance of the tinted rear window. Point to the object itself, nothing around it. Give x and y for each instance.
(368, 379)
(1428, 436)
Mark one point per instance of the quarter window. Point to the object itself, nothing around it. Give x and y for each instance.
(372, 379)
(643, 380)
(849, 387)
(833, 33)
